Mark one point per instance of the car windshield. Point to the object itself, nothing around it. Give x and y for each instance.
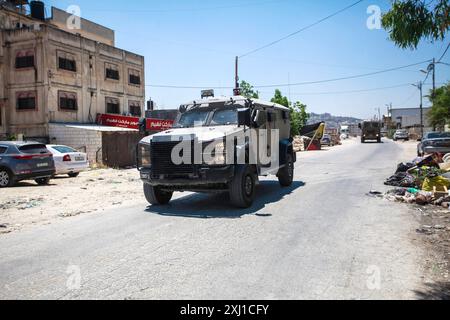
(224, 117)
(437, 135)
(194, 118)
(63, 149)
(33, 149)
(371, 125)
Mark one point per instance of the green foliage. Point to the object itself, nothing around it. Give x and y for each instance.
(248, 91)
(439, 115)
(409, 21)
(299, 116)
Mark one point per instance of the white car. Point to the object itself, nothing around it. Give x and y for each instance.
(68, 161)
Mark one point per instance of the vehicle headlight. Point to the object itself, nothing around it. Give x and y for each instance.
(214, 154)
(144, 157)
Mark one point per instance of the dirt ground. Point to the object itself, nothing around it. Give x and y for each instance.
(28, 204)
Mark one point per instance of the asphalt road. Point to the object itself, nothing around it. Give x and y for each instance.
(323, 238)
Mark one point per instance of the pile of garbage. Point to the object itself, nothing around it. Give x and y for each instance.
(423, 181)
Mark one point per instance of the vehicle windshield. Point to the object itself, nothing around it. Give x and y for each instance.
(437, 135)
(224, 117)
(207, 117)
(34, 149)
(369, 125)
(194, 118)
(63, 149)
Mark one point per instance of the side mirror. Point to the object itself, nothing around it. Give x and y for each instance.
(359, 126)
(244, 117)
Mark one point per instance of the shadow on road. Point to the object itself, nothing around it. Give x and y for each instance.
(435, 291)
(206, 206)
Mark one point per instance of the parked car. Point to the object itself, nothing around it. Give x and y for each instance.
(68, 160)
(401, 135)
(25, 161)
(434, 142)
(326, 140)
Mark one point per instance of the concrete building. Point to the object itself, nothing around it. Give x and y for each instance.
(53, 73)
(406, 118)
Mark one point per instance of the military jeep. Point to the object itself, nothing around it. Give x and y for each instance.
(218, 145)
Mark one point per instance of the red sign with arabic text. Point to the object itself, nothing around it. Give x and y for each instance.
(133, 122)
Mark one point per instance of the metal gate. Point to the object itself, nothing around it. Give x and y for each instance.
(119, 148)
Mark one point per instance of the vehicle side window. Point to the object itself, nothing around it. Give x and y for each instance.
(3, 149)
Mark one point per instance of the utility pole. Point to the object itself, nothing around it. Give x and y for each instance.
(419, 86)
(434, 76)
(236, 90)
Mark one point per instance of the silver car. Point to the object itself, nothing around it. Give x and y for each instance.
(434, 142)
(25, 161)
(401, 135)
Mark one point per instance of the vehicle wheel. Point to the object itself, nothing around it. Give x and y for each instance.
(156, 196)
(379, 140)
(6, 179)
(363, 141)
(74, 175)
(286, 174)
(42, 181)
(242, 188)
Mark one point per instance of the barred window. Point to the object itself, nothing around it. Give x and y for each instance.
(134, 108)
(67, 62)
(25, 59)
(26, 100)
(67, 101)
(134, 77)
(112, 71)
(112, 106)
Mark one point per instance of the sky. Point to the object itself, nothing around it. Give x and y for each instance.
(193, 43)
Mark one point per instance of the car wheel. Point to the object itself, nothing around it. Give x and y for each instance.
(286, 174)
(6, 178)
(363, 141)
(156, 196)
(42, 181)
(242, 187)
(73, 175)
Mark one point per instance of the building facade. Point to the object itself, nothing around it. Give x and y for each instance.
(407, 118)
(50, 73)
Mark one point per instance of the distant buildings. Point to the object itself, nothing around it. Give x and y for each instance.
(50, 73)
(409, 118)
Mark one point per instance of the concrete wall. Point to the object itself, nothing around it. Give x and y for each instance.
(409, 117)
(89, 141)
(88, 29)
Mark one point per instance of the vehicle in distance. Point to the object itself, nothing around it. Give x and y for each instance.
(434, 142)
(371, 130)
(401, 135)
(217, 121)
(326, 140)
(25, 161)
(68, 160)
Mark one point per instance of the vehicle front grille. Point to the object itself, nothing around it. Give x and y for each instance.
(162, 164)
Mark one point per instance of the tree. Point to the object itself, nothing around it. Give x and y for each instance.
(299, 116)
(409, 21)
(248, 91)
(439, 115)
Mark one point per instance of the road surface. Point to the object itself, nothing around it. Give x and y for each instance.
(323, 238)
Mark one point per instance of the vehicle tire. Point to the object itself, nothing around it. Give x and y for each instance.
(156, 196)
(242, 187)
(42, 181)
(363, 141)
(286, 174)
(73, 175)
(379, 140)
(6, 178)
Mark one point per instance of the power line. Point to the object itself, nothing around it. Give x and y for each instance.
(280, 85)
(445, 52)
(301, 30)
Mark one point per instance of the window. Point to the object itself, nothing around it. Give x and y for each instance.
(34, 149)
(25, 59)
(67, 101)
(63, 149)
(134, 108)
(112, 106)
(134, 77)
(26, 101)
(224, 117)
(67, 62)
(111, 71)
(3, 149)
